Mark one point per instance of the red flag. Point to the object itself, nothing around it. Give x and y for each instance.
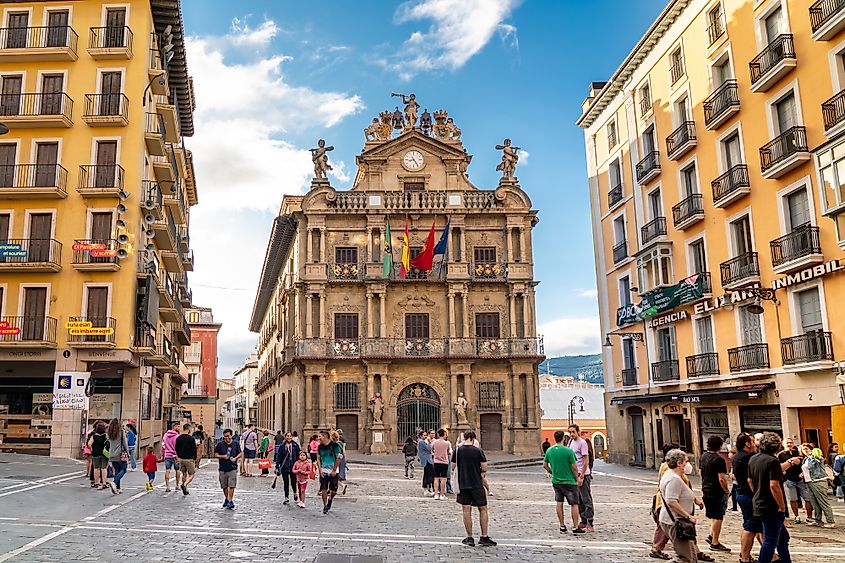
(426, 256)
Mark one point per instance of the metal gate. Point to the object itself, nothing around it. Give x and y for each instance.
(418, 408)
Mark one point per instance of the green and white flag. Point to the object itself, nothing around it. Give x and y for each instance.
(387, 258)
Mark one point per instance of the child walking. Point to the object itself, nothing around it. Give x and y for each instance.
(302, 469)
(150, 464)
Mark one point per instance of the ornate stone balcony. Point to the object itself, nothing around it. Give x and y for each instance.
(410, 348)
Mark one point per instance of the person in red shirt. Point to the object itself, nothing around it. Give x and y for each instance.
(150, 464)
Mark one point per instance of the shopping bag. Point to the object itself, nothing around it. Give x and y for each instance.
(264, 463)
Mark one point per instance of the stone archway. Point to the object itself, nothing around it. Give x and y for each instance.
(417, 407)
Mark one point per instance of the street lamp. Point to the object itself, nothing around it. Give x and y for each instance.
(761, 294)
(3, 129)
(572, 401)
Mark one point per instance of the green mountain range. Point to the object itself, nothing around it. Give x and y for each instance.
(575, 366)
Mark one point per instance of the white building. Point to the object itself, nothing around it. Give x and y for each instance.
(244, 404)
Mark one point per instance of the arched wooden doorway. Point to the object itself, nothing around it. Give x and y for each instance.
(417, 408)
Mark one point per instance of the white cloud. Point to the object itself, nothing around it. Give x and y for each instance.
(458, 31)
(571, 336)
(523, 156)
(588, 292)
(244, 165)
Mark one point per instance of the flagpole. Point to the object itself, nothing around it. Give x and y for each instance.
(445, 254)
(390, 242)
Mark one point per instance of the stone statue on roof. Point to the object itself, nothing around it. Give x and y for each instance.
(411, 107)
(320, 158)
(510, 157)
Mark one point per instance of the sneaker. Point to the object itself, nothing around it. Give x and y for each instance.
(486, 541)
(231, 505)
(300, 504)
(112, 487)
(829, 526)
(167, 490)
(326, 509)
(184, 490)
(329, 504)
(490, 493)
(470, 541)
(589, 528)
(709, 540)
(796, 520)
(429, 493)
(149, 487)
(808, 522)
(578, 530)
(226, 503)
(719, 547)
(563, 529)
(704, 557)
(287, 501)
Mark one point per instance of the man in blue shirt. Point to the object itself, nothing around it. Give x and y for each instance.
(228, 452)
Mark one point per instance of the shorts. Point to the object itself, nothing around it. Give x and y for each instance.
(796, 490)
(303, 485)
(472, 497)
(100, 462)
(188, 466)
(715, 506)
(441, 470)
(151, 476)
(228, 479)
(249, 454)
(568, 493)
(750, 523)
(313, 456)
(171, 463)
(329, 482)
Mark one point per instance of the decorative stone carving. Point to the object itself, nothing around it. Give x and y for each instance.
(461, 409)
(510, 157)
(411, 106)
(398, 121)
(377, 408)
(425, 122)
(320, 159)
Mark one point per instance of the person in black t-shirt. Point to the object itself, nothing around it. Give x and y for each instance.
(714, 489)
(186, 451)
(471, 463)
(765, 476)
(796, 489)
(751, 524)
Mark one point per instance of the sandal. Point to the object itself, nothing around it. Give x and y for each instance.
(658, 555)
(704, 557)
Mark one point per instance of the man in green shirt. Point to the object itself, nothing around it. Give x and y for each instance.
(559, 463)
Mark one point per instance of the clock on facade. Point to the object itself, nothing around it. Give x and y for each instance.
(413, 160)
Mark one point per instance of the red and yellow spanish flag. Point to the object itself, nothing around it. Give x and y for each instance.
(424, 259)
(406, 252)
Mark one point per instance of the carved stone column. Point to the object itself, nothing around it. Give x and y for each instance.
(522, 249)
(309, 400)
(509, 241)
(451, 315)
(512, 312)
(308, 315)
(369, 250)
(466, 314)
(369, 315)
(516, 389)
(526, 314)
(533, 389)
(321, 314)
(323, 245)
(309, 248)
(464, 245)
(324, 384)
(382, 319)
(453, 397)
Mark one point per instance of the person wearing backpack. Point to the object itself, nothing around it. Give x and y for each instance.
(118, 454)
(98, 444)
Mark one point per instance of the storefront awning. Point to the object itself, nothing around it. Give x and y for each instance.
(696, 396)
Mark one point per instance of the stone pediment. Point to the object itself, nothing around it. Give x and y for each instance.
(384, 149)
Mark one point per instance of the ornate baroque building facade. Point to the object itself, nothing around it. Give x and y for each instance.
(347, 342)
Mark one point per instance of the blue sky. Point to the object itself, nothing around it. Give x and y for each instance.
(272, 77)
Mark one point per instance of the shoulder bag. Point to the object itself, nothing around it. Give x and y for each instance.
(684, 527)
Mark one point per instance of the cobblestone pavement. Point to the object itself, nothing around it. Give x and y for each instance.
(48, 513)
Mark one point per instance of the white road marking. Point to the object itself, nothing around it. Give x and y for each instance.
(603, 474)
(42, 483)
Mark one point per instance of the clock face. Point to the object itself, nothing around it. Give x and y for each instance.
(413, 160)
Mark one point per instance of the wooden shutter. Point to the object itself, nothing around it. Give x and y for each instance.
(416, 325)
(484, 254)
(46, 158)
(34, 312)
(11, 95)
(809, 306)
(57, 32)
(346, 326)
(97, 306)
(786, 113)
(51, 94)
(110, 93)
(773, 25)
(40, 231)
(750, 324)
(115, 28)
(487, 325)
(346, 255)
(101, 226)
(105, 174)
(7, 164)
(704, 328)
(799, 209)
(17, 30)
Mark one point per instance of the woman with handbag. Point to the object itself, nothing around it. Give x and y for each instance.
(118, 454)
(676, 515)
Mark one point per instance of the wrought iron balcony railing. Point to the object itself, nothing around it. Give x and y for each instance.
(823, 11)
(101, 177)
(833, 110)
(680, 139)
(790, 142)
(106, 106)
(529, 347)
(814, 346)
(36, 105)
(752, 356)
(28, 328)
(42, 37)
(653, 229)
(648, 165)
(736, 178)
(615, 195)
(101, 330)
(113, 37)
(666, 370)
(780, 49)
(739, 269)
(803, 241)
(676, 71)
(91, 251)
(30, 251)
(630, 377)
(33, 176)
(687, 208)
(721, 102)
(716, 29)
(489, 271)
(620, 251)
(700, 365)
(345, 271)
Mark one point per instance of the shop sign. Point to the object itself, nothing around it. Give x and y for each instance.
(69, 390)
(12, 250)
(88, 246)
(672, 408)
(667, 319)
(808, 274)
(662, 300)
(726, 300)
(91, 331)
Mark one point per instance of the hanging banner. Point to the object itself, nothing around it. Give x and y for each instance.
(661, 300)
(69, 390)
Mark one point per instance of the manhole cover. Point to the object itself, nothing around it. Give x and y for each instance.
(817, 539)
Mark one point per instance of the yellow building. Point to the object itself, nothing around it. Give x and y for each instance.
(714, 154)
(95, 188)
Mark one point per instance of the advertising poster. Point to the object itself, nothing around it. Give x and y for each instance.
(104, 406)
(69, 390)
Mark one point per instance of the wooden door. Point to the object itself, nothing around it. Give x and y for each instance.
(40, 232)
(105, 175)
(97, 311)
(638, 435)
(17, 30)
(115, 28)
(34, 312)
(46, 164)
(110, 93)
(7, 164)
(816, 426)
(349, 424)
(57, 28)
(5, 222)
(51, 94)
(101, 231)
(10, 104)
(491, 432)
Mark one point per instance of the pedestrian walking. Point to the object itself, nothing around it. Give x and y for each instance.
(582, 457)
(302, 470)
(440, 454)
(171, 460)
(228, 453)
(410, 452)
(715, 490)
(186, 453)
(250, 448)
(329, 454)
(765, 474)
(286, 457)
(200, 437)
(264, 452)
(815, 477)
(839, 476)
(150, 465)
(296, 438)
(449, 473)
(752, 526)
(560, 463)
(118, 454)
(86, 455)
(677, 519)
(470, 463)
(426, 463)
(546, 445)
(337, 436)
(98, 444)
(278, 438)
(313, 444)
(131, 440)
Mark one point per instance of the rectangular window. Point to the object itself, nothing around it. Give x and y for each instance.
(741, 229)
(413, 186)
(629, 357)
(704, 333)
(786, 113)
(490, 395)
(655, 204)
(733, 155)
(773, 25)
(798, 209)
(416, 325)
(487, 325)
(46, 160)
(810, 309)
(681, 111)
(484, 254)
(611, 134)
(157, 404)
(698, 257)
(666, 344)
(346, 326)
(615, 173)
(619, 229)
(346, 396)
(722, 72)
(146, 400)
(645, 99)
(648, 141)
(346, 255)
(749, 323)
(676, 70)
(7, 164)
(689, 180)
(624, 291)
